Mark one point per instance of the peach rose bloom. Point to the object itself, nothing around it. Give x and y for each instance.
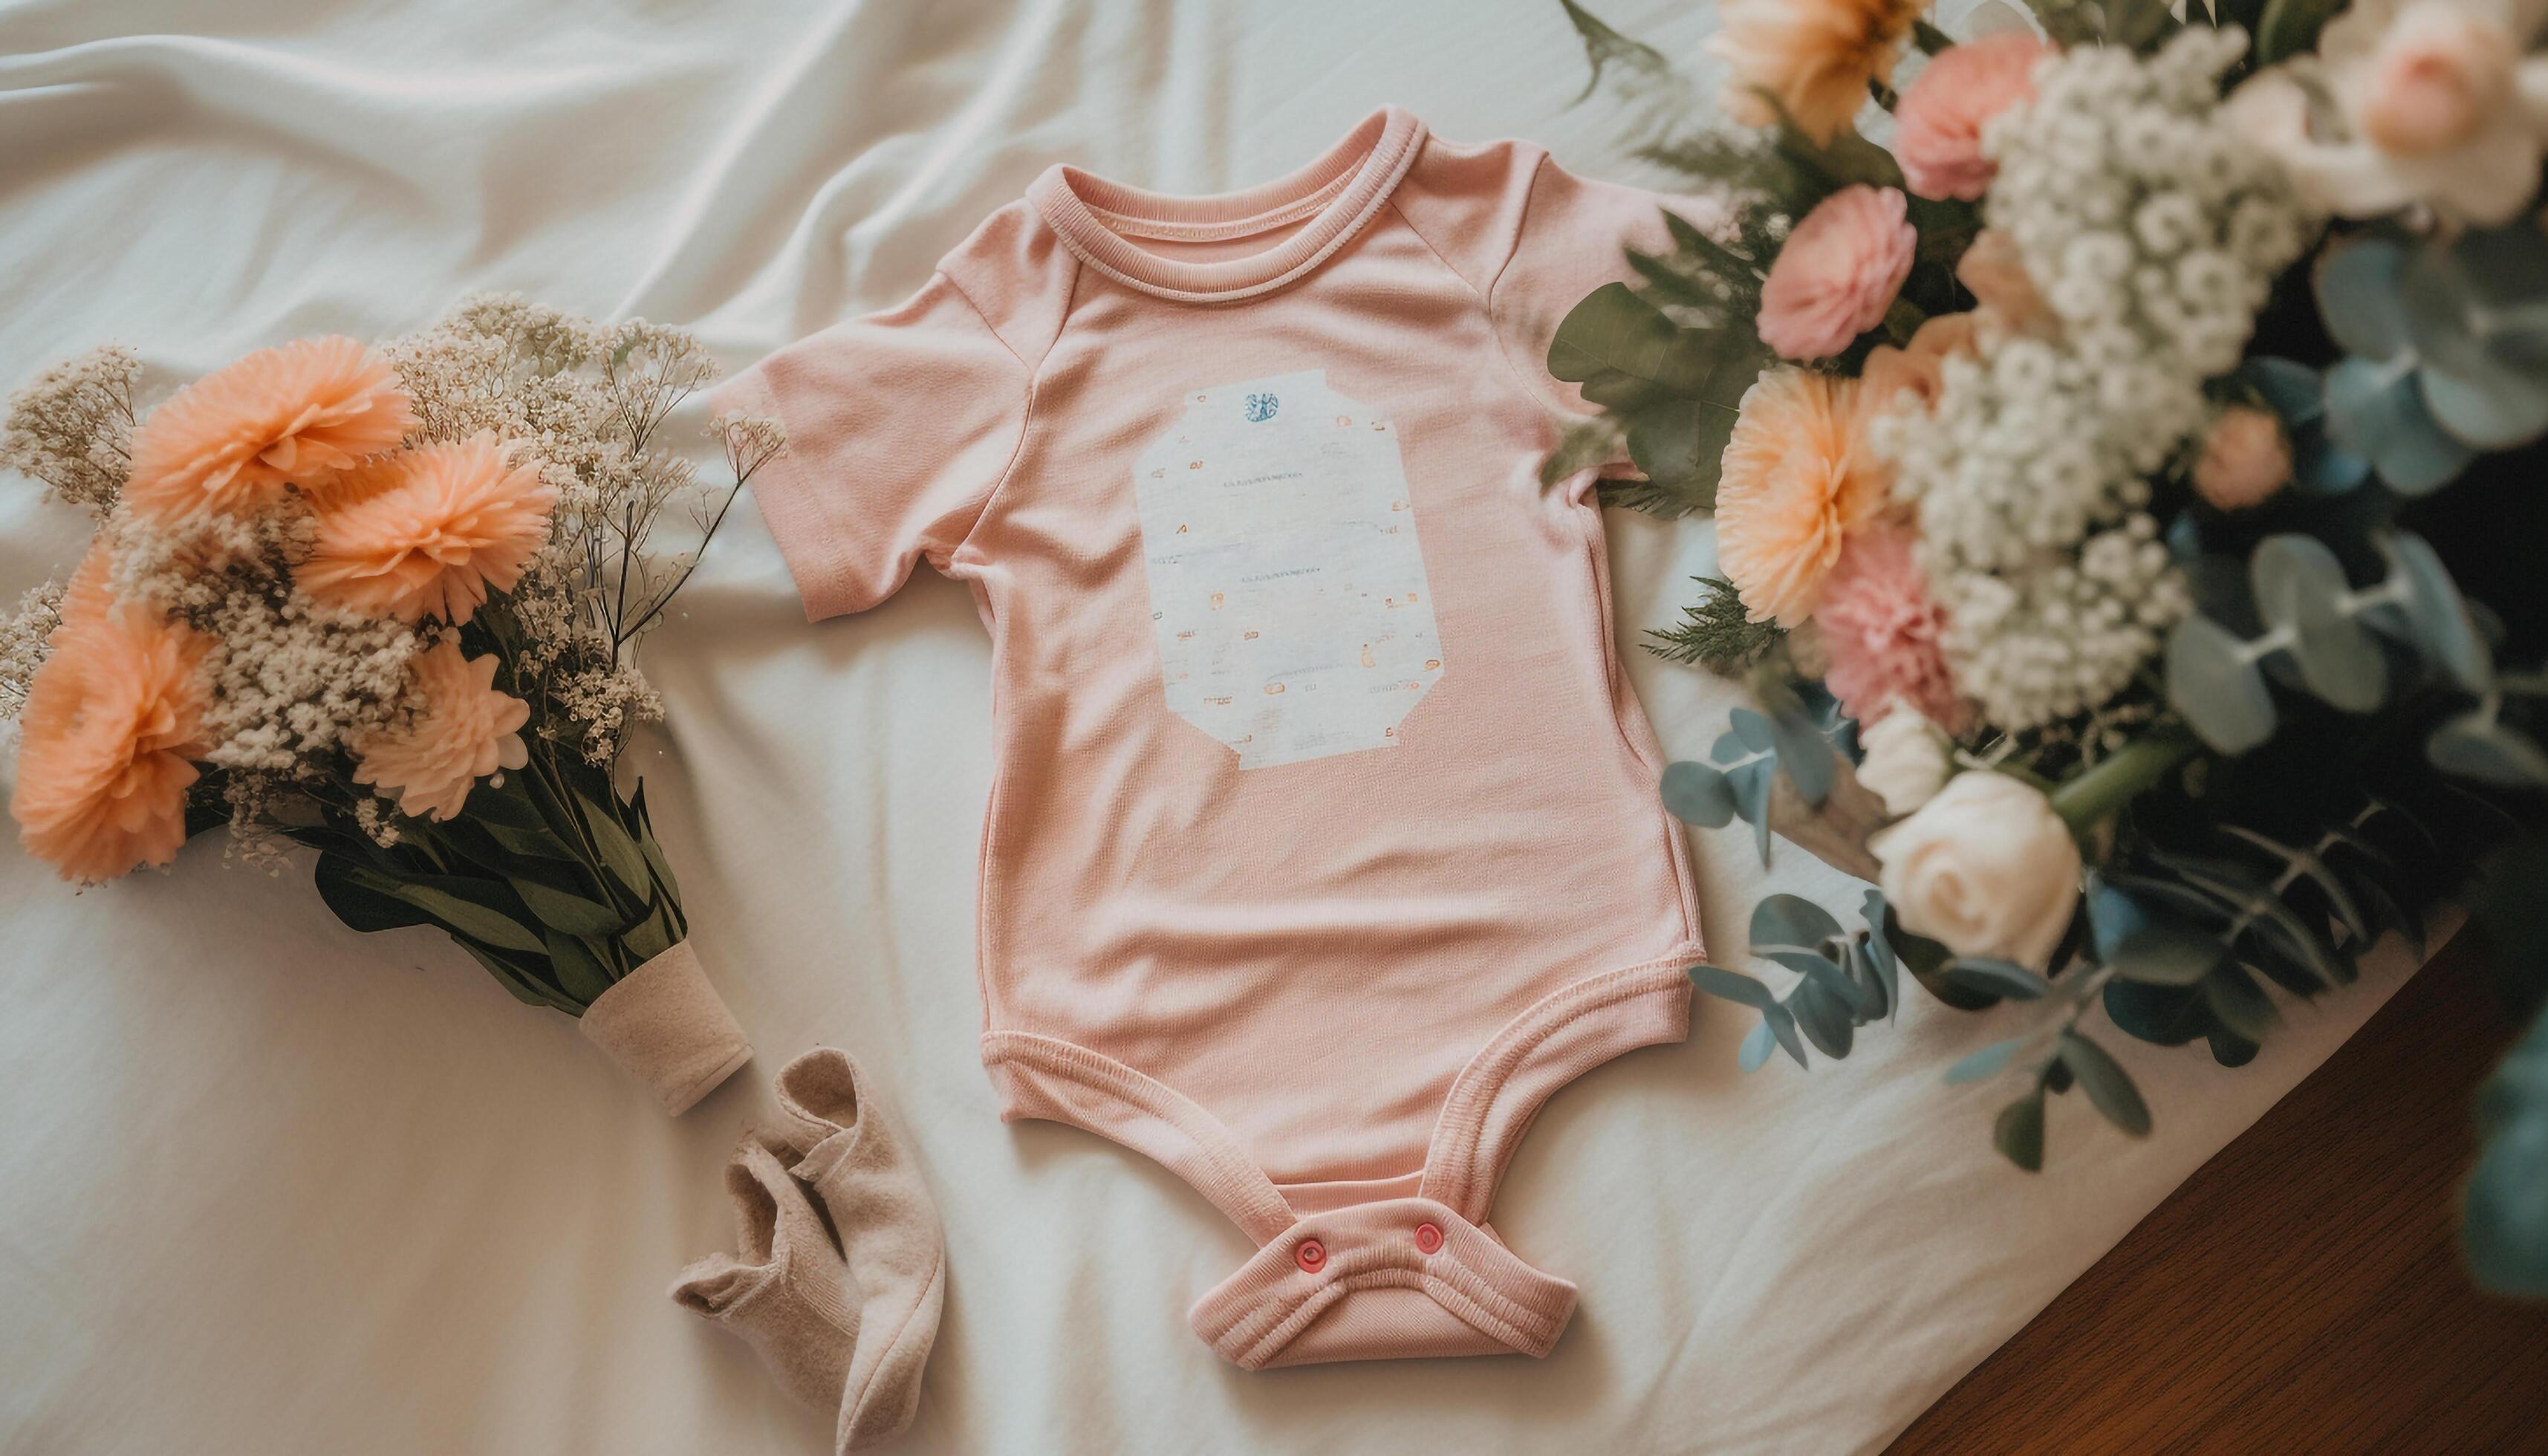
(1797, 479)
(429, 531)
(2246, 459)
(1813, 57)
(1836, 273)
(1938, 122)
(2441, 76)
(463, 729)
(293, 414)
(111, 722)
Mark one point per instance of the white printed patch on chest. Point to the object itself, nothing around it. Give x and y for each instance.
(1287, 585)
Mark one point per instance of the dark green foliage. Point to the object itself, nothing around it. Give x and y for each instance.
(548, 879)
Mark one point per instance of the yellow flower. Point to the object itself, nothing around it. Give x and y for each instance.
(1797, 479)
(1814, 57)
(461, 730)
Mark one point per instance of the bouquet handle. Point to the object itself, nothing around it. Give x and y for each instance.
(665, 1025)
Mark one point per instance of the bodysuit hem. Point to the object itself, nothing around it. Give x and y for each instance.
(1479, 1297)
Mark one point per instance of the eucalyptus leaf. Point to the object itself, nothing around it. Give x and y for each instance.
(2109, 1087)
(2299, 585)
(2478, 745)
(1984, 1064)
(2113, 917)
(1825, 1021)
(1791, 920)
(2360, 284)
(1783, 1027)
(2168, 1016)
(2215, 688)
(2238, 1002)
(1752, 730)
(1730, 985)
(1755, 1047)
(1805, 755)
(1750, 784)
(2376, 410)
(1998, 977)
(2167, 953)
(1697, 793)
(2019, 1132)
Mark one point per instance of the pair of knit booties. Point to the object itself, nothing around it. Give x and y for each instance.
(839, 1270)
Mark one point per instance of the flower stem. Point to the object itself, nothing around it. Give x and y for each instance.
(1929, 37)
(2094, 794)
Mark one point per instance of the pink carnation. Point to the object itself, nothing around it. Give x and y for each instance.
(1937, 121)
(1881, 633)
(1838, 272)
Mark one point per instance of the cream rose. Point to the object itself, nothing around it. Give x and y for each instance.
(1906, 759)
(1985, 868)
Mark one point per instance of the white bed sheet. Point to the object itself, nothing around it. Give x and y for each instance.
(267, 1185)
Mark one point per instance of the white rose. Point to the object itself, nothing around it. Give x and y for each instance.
(1906, 759)
(1985, 868)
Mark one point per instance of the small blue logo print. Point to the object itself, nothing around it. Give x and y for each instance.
(1261, 407)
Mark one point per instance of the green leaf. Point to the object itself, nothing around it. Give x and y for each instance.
(356, 903)
(1879, 948)
(2436, 612)
(2165, 1016)
(571, 913)
(2299, 585)
(2238, 1002)
(2478, 745)
(1791, 920)
(523, 986)
(2377, 411)
(1998, 978)
(2166, 953)
(474, 908)
(619, 852)
(2109, 1087)
(1730, 985)
(1624, 350)
(2019, 1133)
(1602, 45)
(2289, 28)
(1825, 1021)
(1805, 757)
(1679, 445)
(1783, 1027)
(1751, 784)
(2505, 1227)
(1984, 1064)
(580, 973)
(1756, 1046)
(2214, 686)
(1697, 793)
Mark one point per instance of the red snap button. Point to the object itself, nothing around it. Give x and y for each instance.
(1428, 1239)
(1312, 1254)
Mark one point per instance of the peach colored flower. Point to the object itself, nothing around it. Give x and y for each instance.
(429, 531)
(111, 721)
(2246, 459)
(1796, 481)
(1880, 632)
(236, 438)
(2005, 295)
(1919, 366)
(1938, 122)
(463, 729)
(1836, 273)
(1813, 57)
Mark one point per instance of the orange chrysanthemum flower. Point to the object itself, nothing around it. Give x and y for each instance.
(1815, 57)
(429, 531)
(112, 719)
(297, 414)
(1797, 479)
(463, 729)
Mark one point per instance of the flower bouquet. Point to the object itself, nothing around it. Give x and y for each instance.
(382, 605)
(2122, 424)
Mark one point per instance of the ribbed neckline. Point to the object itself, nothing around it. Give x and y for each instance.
(1343, 189)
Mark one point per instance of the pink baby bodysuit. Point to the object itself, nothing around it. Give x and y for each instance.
(1325, 841)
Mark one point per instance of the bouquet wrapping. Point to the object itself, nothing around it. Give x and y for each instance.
(381, 605)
